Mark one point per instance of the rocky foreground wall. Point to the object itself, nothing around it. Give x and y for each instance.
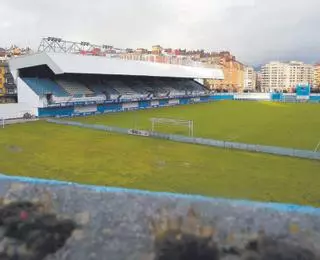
(56, 220)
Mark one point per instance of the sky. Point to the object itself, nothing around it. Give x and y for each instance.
(255, 31)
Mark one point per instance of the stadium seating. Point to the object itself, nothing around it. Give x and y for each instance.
(45, 86)
(141, 88)
(103, 89)
(122, 88)
(74, 88)
(144, 88)
(125, 92)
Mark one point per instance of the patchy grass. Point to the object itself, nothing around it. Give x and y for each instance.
(279, 124)
(50, 151)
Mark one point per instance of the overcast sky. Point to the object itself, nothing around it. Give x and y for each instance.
(256, 31)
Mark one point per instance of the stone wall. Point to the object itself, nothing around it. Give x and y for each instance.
(117, 224)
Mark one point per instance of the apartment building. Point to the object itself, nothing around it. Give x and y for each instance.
(249, 83)
(156, 49)
(285, 76)
(316, 78)
(8, 90)
(258, 81)
(233, 72)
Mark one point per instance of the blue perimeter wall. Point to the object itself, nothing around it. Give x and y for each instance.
(281, 207)
(67, 110)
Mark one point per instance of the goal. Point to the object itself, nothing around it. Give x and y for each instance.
(174, 122)
(317, 147)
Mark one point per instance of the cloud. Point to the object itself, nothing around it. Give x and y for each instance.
(254, 30)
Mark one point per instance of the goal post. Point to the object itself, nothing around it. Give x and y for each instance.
(2, 122)
(173, 122)
(317, 147)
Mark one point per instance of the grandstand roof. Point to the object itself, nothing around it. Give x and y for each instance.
(72, 63)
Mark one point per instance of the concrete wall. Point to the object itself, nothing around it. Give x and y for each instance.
(115, 223)
(253, 96)
(27, 95)
(16, 110)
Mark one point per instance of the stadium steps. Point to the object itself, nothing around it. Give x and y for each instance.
(45, 86)
(122, 88)
(125, 91)
(102, 88)
(74, 88)
(160, 87)
(139, 86)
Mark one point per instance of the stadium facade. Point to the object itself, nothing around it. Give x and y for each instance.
(55, 84)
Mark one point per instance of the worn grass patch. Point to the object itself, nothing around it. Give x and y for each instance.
(279, 124)
(66, 153)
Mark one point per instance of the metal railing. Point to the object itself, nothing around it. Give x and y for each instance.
(306, 154)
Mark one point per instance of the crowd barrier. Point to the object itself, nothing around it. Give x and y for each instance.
(116, 224)
(203, 141)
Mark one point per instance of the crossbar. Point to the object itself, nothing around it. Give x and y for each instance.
(171, 121)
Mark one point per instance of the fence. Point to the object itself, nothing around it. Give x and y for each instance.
(203, 141)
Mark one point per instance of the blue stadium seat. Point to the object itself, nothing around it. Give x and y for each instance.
(45, 86)
(99, 89)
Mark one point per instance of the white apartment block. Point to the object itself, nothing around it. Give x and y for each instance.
(249, 83)
(285, 76)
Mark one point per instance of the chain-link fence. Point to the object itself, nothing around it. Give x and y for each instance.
(202, 141)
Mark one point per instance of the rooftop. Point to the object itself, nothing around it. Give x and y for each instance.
(72, 63)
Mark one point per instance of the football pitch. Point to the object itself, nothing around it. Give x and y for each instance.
(266, 123)
(50, 151)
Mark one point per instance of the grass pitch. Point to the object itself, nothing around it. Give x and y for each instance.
(267, 123)
(51, 151)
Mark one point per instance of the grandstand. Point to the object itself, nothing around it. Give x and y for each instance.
(56, 84)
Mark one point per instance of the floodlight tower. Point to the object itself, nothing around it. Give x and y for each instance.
(53, 44)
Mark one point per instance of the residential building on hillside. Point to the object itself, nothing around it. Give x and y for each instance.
(279, 76)
(258, 81)
(141, 51)
(156, 49)
(316, 77)
(249, 83)
(233, 73)
(8, 89)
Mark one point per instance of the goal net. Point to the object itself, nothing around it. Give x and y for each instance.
(173, 122)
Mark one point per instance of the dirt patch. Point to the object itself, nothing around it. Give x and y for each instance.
(14, 149)
(185, 238)
(161, 164)
(28, 232)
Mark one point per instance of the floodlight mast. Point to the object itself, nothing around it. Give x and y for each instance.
(53, 44)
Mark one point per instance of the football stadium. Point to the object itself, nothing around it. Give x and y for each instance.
(141, 100)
